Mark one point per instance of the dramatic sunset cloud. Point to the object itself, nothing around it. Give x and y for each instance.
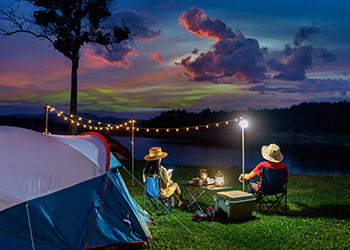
(232, 56)
(118, 56)
(298, 59)
(196, 21)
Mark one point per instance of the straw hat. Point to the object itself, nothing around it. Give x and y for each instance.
(272, 153)
(155, 153)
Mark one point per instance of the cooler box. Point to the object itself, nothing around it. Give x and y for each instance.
(237, 205)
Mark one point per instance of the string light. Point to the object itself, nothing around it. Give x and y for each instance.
(100, 126)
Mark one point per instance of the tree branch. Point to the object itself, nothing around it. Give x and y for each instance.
(11, 23)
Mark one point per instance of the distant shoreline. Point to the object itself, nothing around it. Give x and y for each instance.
(309, 138)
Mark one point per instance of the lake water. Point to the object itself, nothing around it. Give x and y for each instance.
(319, 161)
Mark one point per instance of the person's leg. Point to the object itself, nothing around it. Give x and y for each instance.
(175, 189)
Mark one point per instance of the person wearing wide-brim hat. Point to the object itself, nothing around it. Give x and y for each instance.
(273, 156)
(155, 153)
(154, 168)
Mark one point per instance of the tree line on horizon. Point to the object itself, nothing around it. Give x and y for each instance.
(312, 117)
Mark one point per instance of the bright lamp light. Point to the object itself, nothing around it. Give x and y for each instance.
(243, 123)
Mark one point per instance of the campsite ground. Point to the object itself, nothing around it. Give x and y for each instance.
(318, 217)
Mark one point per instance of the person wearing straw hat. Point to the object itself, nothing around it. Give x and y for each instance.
(273, 156)
(154, 168)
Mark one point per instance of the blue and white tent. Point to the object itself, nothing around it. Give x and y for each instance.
(64, 192)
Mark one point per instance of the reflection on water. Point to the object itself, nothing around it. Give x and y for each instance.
(188, 152)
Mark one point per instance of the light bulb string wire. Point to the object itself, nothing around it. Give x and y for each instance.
(91, 124)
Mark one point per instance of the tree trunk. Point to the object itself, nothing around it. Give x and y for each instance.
(72, 128)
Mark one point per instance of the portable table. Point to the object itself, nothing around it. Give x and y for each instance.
(203, 189)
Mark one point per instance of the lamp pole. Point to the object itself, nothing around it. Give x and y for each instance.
(243, 123)
(132, 150)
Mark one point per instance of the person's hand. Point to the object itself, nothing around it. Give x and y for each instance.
(241, 178)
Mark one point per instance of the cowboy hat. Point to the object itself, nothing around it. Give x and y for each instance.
(155, 153)
(272, 153)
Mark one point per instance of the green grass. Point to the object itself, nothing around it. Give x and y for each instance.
(318, 216)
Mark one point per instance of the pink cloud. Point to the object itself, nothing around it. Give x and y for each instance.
(197, 22)
(119, 56)
(157, 56)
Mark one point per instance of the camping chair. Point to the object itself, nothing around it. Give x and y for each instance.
(273, 190)
(157, 203)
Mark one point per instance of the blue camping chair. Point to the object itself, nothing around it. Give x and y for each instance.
(273, 190)
(156, 202)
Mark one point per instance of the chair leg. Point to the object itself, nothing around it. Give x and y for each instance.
(285, 203)
(168, 202)
(158, 206)
(258, 201)
(272, 202)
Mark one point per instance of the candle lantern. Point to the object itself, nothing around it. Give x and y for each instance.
(219, 179)
(203, 174)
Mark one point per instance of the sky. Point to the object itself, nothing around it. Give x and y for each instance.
(193, 55)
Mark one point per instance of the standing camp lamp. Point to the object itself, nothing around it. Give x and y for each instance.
(132, 152)
(243, 123)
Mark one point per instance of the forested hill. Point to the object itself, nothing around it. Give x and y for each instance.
(314, 117)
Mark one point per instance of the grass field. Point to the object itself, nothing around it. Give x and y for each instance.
(318, 216)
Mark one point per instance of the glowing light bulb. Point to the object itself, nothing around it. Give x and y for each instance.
(243, 123)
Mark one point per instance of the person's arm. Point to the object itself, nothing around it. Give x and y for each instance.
(247, 176)
(170, 174)
(164, 176)
(143, 175)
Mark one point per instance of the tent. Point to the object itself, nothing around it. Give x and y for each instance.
(64, 192)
